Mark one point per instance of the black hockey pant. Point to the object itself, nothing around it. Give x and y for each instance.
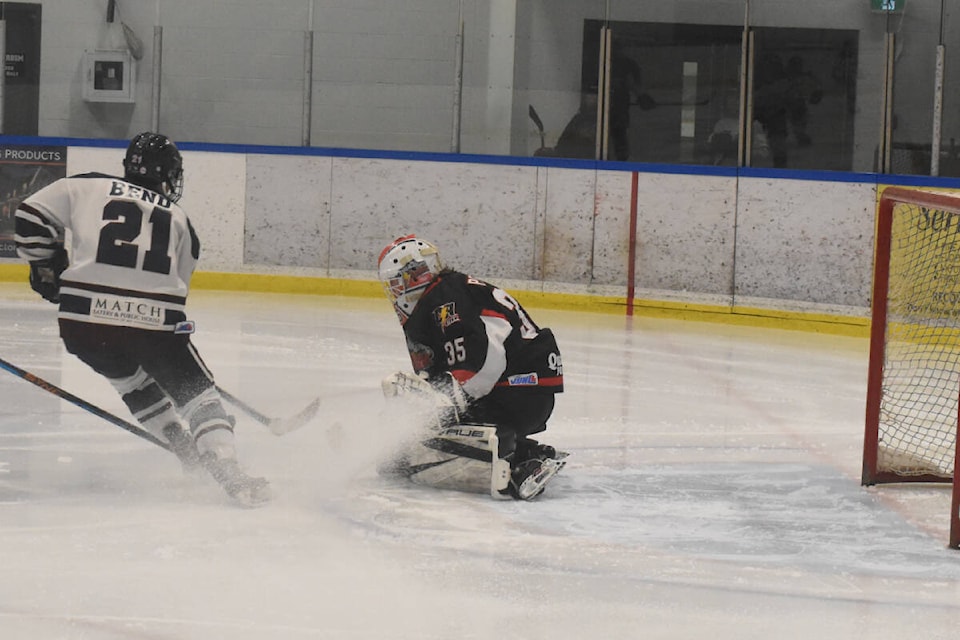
(117, 352)
(516, 415)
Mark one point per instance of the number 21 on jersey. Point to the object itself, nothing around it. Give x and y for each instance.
(119, 238)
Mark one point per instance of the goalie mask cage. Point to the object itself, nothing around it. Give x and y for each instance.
(913, 381)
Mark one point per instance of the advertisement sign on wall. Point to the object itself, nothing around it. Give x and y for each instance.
(24, 170)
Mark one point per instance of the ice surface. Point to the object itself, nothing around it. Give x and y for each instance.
(712, 492)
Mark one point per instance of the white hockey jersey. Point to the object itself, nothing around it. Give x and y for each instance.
(132, 251)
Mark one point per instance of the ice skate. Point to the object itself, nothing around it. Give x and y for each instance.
(245, 490)
(528, 479)
(528, 449)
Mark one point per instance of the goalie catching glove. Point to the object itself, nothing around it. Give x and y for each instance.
(45, 274)
(443, 390)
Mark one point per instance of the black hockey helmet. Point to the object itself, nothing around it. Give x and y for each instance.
(153, 161)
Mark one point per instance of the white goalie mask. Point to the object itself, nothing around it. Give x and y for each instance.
(406, 268)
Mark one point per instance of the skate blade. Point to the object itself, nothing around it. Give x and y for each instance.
(534, 485)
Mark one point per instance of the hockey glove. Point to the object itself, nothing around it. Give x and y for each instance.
(443, 391)
(401, 383)
(45, 274)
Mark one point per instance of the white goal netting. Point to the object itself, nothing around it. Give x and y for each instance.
(921, 351)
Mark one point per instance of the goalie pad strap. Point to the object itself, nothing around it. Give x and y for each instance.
(458, 449)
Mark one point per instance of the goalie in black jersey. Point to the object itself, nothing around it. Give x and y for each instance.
(121, 287)
(479, 356)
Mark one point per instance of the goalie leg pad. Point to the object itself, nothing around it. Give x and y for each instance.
(460, 458)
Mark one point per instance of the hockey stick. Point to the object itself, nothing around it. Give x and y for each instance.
(279, 426)
(83, 404)
(537, 121)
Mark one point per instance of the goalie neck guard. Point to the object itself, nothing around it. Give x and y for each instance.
(406, 268)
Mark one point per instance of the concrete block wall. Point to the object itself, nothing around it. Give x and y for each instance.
(805, 240)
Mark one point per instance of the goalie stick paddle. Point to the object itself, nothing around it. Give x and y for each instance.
(83, 404)
(279, 426)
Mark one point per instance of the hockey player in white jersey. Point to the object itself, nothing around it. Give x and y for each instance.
(121, 284)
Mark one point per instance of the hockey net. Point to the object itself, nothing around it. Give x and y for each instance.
(913, 381)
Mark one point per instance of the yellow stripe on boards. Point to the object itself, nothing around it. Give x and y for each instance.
(737, 315)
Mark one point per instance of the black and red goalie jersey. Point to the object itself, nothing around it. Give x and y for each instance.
(482, 336)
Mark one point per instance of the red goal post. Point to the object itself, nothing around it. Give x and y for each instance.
(913, 380)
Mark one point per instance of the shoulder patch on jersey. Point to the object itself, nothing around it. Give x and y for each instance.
(446, 315)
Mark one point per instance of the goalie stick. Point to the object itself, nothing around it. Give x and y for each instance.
(83, 404)
(279, 426)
